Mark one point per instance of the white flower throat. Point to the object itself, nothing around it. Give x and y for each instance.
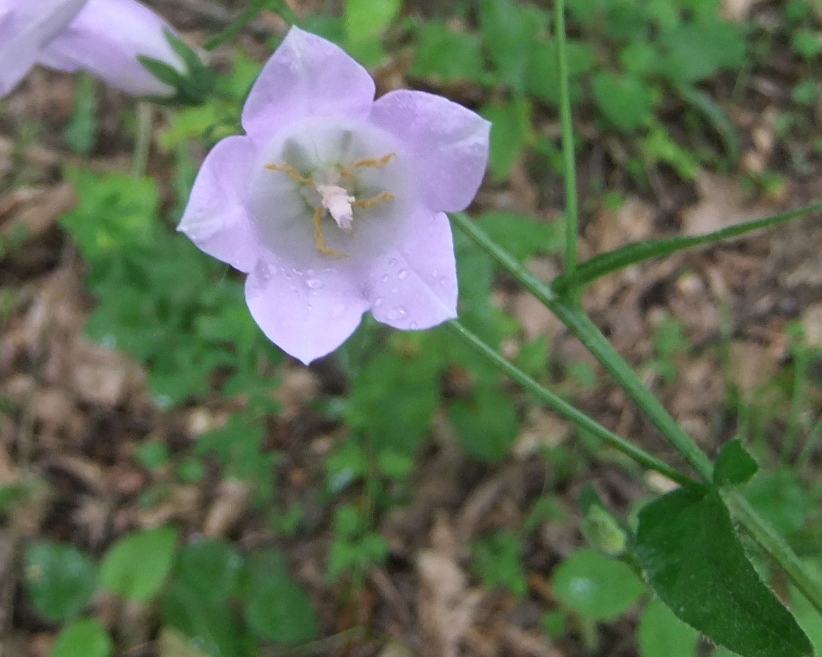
(335, 198)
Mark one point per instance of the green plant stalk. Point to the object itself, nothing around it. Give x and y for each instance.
(801, 364)
(571, 206)
(588, 333)
(568, 411)
(775, 545)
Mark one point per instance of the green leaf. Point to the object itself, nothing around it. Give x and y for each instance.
(498, 560)
(695, 51)
(625, 100)
(486, 424)
(136, 566)
(209, 568)
(781, 499)
(367, 19)
(595, 586)
(447, 54)
(278, 609)
(606, 263)
(808, 617)
(511, 132)
(521, 235)
(693, 559)
(60, 579)
(716, 115)
(211, 625)
(662, 634)
(510, 31)
(85, 637)
(734, 466)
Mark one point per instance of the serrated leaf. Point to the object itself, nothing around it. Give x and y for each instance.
(631, 254)
(595, 586)
(278, 609)
(60, 579)
(137, 565)
(694, 561)
(734, 466)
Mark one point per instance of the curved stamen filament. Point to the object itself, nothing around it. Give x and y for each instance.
(319, 240)
(373, 163)
(371, 202)
(291, 171)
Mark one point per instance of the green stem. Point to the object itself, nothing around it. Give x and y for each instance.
(568, 411)
(587, 332)
(571, 211)
(776, 546)
(142, 145)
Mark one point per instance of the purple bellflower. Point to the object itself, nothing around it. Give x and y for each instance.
(103, 37)
(333, 203)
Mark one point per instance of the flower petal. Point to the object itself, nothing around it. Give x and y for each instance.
(105, 39)
(216, 217)
(415, 287)
(307, 75)
(26, 27)
(307, 314)
(448, 143)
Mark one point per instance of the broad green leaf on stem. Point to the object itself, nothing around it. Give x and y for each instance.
(693, 559)
(60, 579)
(511, 132)
(661, 634)
(136, 566)
(631, 254)
(780, 498)
(596, 587)
(277, 608)
(734, 466)
(695, 51)
(808, 618)
(85, 637)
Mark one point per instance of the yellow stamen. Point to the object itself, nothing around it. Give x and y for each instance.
(319, 240)
(371, 202)
(291, 171)
(373, 163)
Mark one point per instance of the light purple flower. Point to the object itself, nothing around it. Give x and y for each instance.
(334, 203)
(105, 40)
(26, 26)
(103, 37)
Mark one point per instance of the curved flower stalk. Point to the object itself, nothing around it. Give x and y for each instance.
(103, 37)
(334, 203)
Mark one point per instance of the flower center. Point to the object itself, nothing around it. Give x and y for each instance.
(335, 198)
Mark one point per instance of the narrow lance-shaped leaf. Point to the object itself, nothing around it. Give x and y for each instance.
(694, 561)
(631, 254)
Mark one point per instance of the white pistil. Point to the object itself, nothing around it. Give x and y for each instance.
(336, 200)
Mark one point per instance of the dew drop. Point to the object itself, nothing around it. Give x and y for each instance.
(385, 278)
(392, 262)
(402, 274)
(435, 273)
(297, 271)
(377, 302)
(314, 283)
(309, 272)
(294, 289)
(394, 290)
(442, 281)
(396, 313)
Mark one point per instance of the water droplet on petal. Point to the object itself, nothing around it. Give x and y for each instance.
(396, 313)
(297, 271)
(402, 274)
(377, 302)
(413, 325)
(392, 262)
(435, 273)
(385, 278)
(294, 289)
(309, 272)
(442, 281)
(394, 290)
(314, 283)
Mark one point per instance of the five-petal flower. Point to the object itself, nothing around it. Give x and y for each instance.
(334, 203)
